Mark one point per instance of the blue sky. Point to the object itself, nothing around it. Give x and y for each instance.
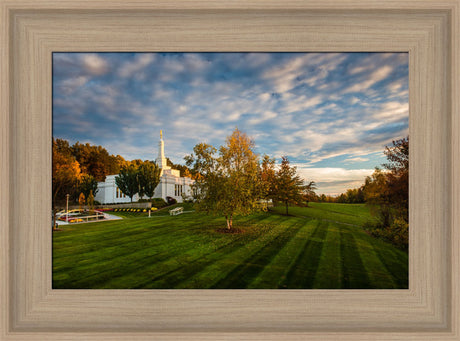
(330, 113)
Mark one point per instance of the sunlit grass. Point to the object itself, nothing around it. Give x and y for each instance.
(319, 247)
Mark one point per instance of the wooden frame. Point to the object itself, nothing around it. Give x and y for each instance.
(31, 30)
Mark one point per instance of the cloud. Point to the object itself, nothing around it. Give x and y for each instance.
(292, 103)
(140, 63)
(258, 119)
(95, 64)
(69, 85)
(302, 70)
(391, 111)
(375, 77)
(356, 159)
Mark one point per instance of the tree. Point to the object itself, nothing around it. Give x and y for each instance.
(268, 177)
(90, 200)
(127, 181)
(388, 192)
(66, 171)
(187, 173)
(398, 176)
(95, 160)
(309, 192)
(228, 184)
(289, 186)
(87, 184)
(81, 200)
(149, 178)
(398, 156)
(376, 196)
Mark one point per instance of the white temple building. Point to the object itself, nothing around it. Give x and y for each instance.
(171, 184)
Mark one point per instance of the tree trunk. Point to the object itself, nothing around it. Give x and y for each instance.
(229, 222)
(287, 208)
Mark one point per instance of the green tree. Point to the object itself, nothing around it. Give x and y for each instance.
(149, 178)
(127, 181)
(309, 193)
(229, 184)
(289, 186)
(87, 184)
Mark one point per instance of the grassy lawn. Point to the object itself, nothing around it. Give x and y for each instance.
(321, 246)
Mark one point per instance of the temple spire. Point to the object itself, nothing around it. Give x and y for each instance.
(161, 161)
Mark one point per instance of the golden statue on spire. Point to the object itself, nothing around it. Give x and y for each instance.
(161, 134)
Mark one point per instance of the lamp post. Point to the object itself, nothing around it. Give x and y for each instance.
(67, 208)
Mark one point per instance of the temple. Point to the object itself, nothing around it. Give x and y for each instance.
(171, 183)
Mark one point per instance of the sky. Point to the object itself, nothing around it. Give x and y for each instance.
(331, 114)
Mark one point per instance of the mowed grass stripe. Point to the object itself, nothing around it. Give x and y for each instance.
(177, 267)
(174, 258)
(94, 241)
(302, 273)
(91, 247)
(334, 213)
(186, 251)
(113, 232)
(212, 274)
(330, 262)
(379, 276)
(94, 264)
(275, 272)
(396, 262)
(245, 273)
(111, 260)
(97, 273)
(354, 273)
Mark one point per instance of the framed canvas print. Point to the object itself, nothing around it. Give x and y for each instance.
(207, 171)
(293, 199)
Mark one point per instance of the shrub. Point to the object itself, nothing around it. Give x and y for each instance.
(397, 233)
(400, 233)
(171, 200)
(159, 202)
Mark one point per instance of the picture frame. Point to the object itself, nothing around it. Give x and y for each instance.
(31, 30)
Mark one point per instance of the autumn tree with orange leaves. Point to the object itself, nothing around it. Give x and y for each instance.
(66, 172)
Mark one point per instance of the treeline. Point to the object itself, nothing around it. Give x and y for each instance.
(77, 168)
(351, 196)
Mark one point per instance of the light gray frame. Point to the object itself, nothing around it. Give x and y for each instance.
(32, 30)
